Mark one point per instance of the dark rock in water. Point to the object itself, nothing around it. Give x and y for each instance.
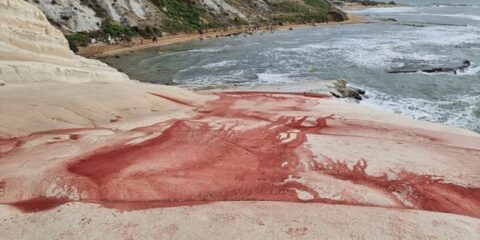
(468, 45)
(413, 66)
(388, 19)
(360, 91)
(352, 92)
(341, 90)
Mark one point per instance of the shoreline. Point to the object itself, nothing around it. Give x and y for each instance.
(101, 50)
(349, 7)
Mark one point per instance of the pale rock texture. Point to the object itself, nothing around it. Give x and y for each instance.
(131, 12)
(88, 15)
(73, 15)
(220, 6)
(45, 86)
(79, 16)
(30, 46)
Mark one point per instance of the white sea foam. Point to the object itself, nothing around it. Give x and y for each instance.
(459, 15)
(286, 42)
(385, 10)
(211, 49)
(307, 48)
(272, 77)
(226, 63)
(475, 70)
(432, 111)
(379, 51)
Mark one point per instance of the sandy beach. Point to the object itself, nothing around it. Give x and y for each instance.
(102, 49)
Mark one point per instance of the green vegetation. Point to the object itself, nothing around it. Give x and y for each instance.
(77, 39)
(115, 30)
(108, 28)
(305, 12)
(193, 16)
(185, 16)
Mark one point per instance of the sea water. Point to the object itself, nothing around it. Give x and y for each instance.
(431, 32)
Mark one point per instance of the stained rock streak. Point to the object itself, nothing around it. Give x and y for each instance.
(242, 146)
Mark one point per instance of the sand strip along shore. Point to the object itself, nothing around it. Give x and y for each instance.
(102, 49)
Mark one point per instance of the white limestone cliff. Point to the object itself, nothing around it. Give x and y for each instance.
(30, 46)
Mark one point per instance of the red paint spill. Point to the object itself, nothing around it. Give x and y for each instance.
(191, 162)
(194, 161)
(39, 204)
(422, 191)
(74, 136)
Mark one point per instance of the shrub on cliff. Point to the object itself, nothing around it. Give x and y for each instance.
(115, 30)
(305, 11)
(77, 39)
(185, 16)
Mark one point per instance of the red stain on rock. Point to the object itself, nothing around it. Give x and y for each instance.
(8, 145)
(190, 161)
(39, 204)
(421, 191)
(213, 157)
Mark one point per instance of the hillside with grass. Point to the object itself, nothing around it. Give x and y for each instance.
(82, 20)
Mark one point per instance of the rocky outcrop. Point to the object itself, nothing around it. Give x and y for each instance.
(340, 89)
(413, 66)
(89, 15)
(30, 46)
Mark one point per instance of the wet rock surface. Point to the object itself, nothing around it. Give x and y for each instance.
(413, 66)
(341, 90)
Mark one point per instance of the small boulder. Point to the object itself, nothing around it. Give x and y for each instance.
(341, 90)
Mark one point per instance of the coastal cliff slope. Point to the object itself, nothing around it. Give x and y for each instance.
(91, 154)
(44, 83)
(91, 15)
(30, 46)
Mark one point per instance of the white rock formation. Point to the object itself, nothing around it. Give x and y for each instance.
(219, 6)
(79, 16)
(72, 14)
(30, 46)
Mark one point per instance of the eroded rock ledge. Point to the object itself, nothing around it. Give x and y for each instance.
(31, 50)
